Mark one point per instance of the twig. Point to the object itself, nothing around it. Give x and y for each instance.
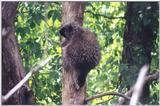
(104, 101)
(138, 88)
(19, 85)
(127, 95)
(122, 100)
(102, 15)
(152, 77)
(148, 78)
(108, 93)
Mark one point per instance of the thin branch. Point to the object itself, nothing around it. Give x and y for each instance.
(104, 101)
(148, 78)
(108, 93)
(152, 77)
(122, 100)
(128, 94)
(102, 15)
(138, 88)
(25, 79)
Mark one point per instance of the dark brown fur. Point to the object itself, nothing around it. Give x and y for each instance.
(80, 50)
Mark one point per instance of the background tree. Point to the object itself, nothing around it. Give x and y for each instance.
(12, 69)
(141, 31)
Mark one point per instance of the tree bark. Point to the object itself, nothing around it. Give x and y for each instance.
(72, 12)
(138, 43)
(12, 69)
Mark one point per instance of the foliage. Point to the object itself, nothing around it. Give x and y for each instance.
(37, 26)
(37, 32)
(154, 97)
(109, 33)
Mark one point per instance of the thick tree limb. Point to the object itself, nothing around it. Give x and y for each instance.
(25, 79)
(105, 94)
(148, 78)
(137, 91)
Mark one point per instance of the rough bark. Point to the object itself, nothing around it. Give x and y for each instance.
(12, 69)
(138, 43)
(72, 12)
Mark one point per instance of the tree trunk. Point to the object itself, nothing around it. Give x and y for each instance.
(138, 43)
(12, 69)
(72, 12)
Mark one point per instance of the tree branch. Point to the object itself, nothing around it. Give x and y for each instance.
(104, 101)
(108, 93)
(152, 77)
(102, 15)
(138, 88)
(127, 95)
(25, 79)
(148, 78)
